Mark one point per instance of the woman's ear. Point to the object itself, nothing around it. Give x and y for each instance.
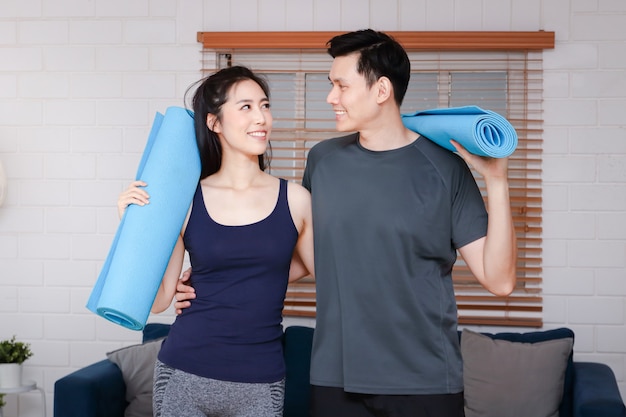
(213, 123)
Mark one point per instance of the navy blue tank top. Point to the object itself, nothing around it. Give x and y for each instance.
(232, 331)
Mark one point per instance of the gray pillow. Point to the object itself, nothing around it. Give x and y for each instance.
(512, 379)
(137, 365)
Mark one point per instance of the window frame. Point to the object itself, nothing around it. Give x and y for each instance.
(223, 42)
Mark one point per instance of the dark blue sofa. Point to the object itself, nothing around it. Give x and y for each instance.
(98, 390)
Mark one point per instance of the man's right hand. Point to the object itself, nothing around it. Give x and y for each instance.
(184, 292)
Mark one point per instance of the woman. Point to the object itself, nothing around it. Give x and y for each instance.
(223, 356)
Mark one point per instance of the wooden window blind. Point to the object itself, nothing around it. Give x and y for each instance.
(500, 71)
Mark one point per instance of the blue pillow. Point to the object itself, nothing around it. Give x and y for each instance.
(297, 343)
(154, 331)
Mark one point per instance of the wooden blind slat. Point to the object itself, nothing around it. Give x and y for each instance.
(496, 321)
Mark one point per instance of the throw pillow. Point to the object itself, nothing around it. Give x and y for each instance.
(511, 379)
(137, 365)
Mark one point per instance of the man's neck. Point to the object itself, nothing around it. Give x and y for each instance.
(386, 135)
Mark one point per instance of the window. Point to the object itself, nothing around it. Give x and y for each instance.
(497, 71)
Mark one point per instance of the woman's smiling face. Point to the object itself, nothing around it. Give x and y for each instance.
(246, 120)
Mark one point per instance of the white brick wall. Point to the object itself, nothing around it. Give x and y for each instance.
(80, 82)
(584, 199)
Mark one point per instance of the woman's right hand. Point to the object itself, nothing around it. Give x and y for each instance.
(132, 195)
(184, 292)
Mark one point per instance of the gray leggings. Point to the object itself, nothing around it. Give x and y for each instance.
(181, 394)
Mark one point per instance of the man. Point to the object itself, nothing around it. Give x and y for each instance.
(390, 211)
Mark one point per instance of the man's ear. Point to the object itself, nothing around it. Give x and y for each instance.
(384, 89)
(213, 123)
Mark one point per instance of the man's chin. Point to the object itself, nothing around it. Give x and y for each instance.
(343, 127)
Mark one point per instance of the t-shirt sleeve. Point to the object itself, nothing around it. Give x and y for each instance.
(306, 178)
(469, 215)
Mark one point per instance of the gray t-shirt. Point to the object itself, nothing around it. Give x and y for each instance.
(387, 226)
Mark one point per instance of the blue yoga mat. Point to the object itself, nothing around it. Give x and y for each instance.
(481, 132)
(146, 236)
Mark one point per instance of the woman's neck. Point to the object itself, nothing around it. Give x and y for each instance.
(238, 175)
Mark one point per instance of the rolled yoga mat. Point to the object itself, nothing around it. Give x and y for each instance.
(146, 236)
(481, 132)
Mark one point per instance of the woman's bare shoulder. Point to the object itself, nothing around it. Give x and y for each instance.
(296, 190)
(299, 200)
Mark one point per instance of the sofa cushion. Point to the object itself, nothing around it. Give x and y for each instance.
(505, 378)
(137, 365)
(542, 336)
